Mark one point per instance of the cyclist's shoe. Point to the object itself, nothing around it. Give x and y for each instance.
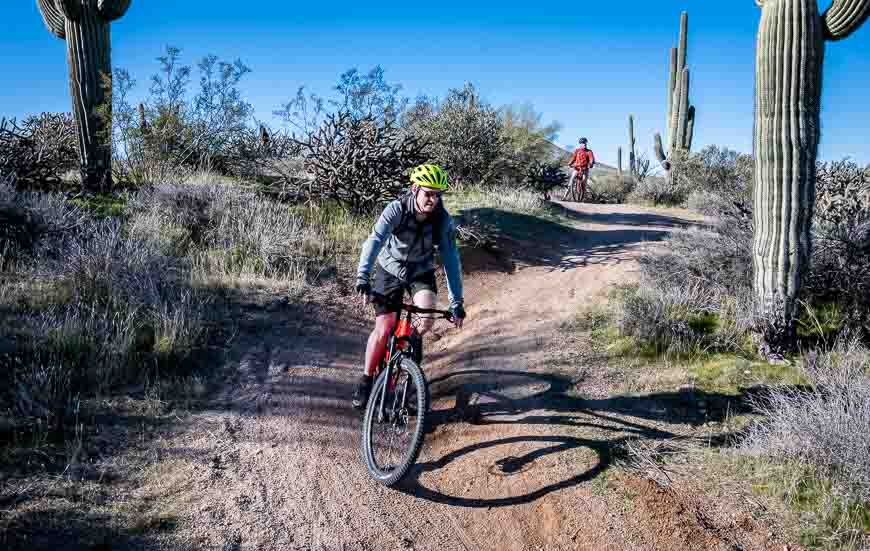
(361, 392)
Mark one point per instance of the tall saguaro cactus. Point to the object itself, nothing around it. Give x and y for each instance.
(85, 25)
(681, 115)
(619, 162)
(632, 158)
(788, 85)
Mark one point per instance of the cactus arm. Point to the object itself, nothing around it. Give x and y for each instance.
(111, 10)
(619, 159)
(660, 151)
(54, 19)
(72, 9)
(684, 41)
(844, 17)
(690, 129)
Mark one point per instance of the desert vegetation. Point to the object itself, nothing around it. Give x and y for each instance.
(127, 226)
(694, 305)
(105, 294)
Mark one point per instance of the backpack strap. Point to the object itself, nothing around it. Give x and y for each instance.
(437, 220)
(405, 201)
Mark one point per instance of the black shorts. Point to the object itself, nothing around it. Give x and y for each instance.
(393, 288)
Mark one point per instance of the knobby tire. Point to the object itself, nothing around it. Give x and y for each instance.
(397, 472)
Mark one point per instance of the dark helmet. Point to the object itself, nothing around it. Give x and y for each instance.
(584, 140)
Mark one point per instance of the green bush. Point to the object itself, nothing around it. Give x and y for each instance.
(542, 178)
(463, 135)
(610, 188)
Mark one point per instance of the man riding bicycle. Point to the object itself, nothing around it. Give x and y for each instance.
(582, 162)
(401, 248)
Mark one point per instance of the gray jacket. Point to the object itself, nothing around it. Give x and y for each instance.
(410, 251)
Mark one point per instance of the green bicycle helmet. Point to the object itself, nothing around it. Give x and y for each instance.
(429, 176)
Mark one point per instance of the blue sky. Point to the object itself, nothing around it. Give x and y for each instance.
(587, 66)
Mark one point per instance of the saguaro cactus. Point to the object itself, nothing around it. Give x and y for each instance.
(681, 115)
(619, 161)
(788, 85)
(85, 25)
(632, 158)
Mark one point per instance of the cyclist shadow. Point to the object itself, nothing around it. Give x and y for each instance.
(619, 418)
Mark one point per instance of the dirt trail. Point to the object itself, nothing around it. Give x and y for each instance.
(522, 432)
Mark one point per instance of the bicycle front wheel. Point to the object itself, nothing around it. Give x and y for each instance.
(393, 425)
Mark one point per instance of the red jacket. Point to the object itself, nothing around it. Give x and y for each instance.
(582, 159)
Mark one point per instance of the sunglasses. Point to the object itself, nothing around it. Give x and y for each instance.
(432, 194)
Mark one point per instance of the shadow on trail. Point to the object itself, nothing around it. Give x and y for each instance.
(639, 219)
(536, 241)
(509, 397)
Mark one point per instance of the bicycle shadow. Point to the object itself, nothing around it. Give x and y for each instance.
(620, 418)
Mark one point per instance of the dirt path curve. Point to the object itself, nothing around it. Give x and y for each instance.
(523, 432)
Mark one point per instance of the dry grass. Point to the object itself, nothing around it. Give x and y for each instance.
(509, 199)
(826, 426)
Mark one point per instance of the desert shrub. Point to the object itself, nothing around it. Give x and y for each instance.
(664, 317)
(29, 218)
(173, 132)
(840, 268)
(526, 145)
(711, 171)
(359, 163)
(507, 198)
(90, 307)
(268, 157)
(643, 167)
(369, 94)
(720, 171)
(462, 133)
(681, 319)
(542, 178)
(825, 427)
(228, 232)
(37, 154)
(718, 258)
(609, 188)
(659, 191)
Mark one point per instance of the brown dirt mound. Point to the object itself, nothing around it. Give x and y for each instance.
(673, 521)
(674, 518)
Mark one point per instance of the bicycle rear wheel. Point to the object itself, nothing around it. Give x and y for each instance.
(394, 422)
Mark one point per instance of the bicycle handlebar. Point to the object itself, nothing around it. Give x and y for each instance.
(382, 299)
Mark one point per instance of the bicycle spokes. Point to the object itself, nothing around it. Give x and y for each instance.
(395, 427)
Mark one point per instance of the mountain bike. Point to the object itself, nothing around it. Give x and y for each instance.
(393, 425)
(576, 192)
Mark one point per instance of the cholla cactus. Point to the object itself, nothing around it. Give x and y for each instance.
(85, 25)
(543, 177)
(788, 85)
(681, 115)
